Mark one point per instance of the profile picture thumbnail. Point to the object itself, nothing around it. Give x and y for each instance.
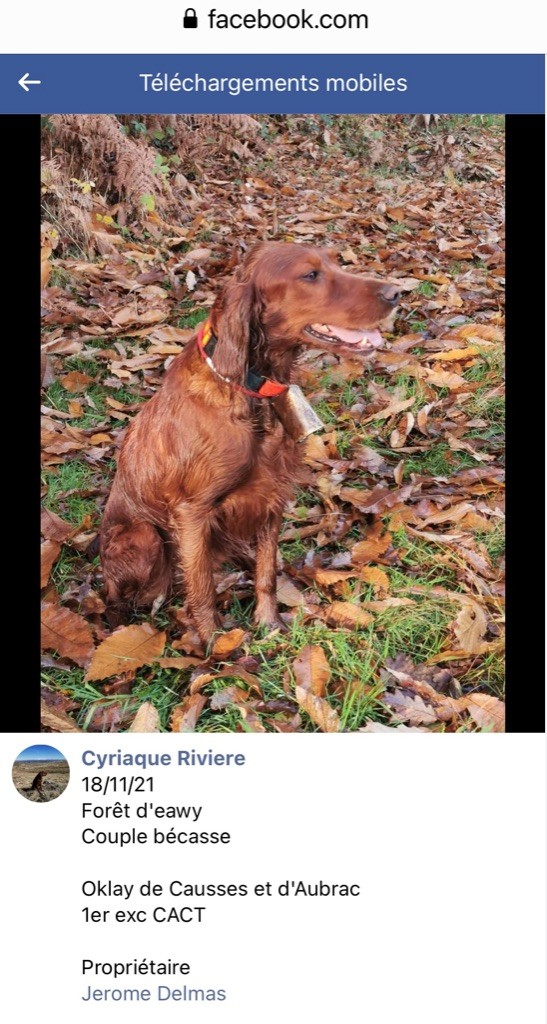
(40, 773)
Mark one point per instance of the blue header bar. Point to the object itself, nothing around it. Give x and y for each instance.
(272, 83)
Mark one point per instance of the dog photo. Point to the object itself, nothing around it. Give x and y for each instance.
(272, 423)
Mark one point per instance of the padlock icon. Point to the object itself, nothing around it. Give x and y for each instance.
(190, 19)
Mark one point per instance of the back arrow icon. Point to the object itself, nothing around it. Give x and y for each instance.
(25, 81)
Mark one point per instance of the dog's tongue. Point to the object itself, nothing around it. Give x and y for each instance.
(359, 338)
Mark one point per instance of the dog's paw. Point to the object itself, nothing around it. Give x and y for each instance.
(270, 622)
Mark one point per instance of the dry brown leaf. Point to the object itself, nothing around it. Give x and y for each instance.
(470, 626)
(448, 515)
(377, 500)
(147, 719)
(394, 407)
(342, 613)
(380, 727)
(177, 663)
(57, 721)
(125, 650)
(445, 379)
(447, 244)
(253, 721)
(311, 670)
(388, 602)
(66, 633)
(375, 576)
(76, 381)
(228, 642)
(487, 711)
(55, 528)
(316, 449)
(186, 714)
(410, 708)
(442, 707)
(287, 593)
(402, 430)
(196, 255)
(49, 552)
(459, 445)
(454, 353)
(485, 332)
(422, 418)
(375, 544)
(328, 577)
(319, 710)
(200, 679)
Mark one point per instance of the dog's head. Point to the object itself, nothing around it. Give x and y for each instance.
(286, 295)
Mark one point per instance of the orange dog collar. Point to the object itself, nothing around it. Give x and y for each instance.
(255, 386)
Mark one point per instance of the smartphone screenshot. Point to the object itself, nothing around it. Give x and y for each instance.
(277, 751)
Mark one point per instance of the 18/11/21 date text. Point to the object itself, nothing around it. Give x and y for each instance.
(124, 784)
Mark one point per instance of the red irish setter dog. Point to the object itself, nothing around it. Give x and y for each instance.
(207, 467)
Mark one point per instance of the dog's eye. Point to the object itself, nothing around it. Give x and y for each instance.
(312, 276)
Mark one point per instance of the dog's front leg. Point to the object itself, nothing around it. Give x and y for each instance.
(193, 531)
(266, 610)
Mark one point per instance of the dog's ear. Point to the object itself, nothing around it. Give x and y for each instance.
(235, 326)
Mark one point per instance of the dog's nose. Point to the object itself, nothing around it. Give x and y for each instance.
(390, 293)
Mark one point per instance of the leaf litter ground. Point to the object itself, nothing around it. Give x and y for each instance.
(392, 585)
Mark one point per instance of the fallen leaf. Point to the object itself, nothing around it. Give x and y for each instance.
(399, 405)
(375, 576)
(342, 613)
(287, 593)
(375, 544)
(388, 602)
(186, 714)
(487, 711)
(402, 430)
(459, 445)
(448, 515)
(445, 379)
(470, 626)
(319, 710)
(147, 719)
(125, 650)
(57, 721)
(228, 642)
(179, 663)
(196, 255)
(49, 552)
(485, 332)
(380, 727)
(53, 527)
(328, 577)
(253, 721)
(311, 670)
(454, 353)
(76, 381)
(410, 708)
(66, 633)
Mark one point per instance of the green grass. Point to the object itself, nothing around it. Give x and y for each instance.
(191, 319)
(426, 288)
(74, 475)
(489, 365)
(417, 326)
(493, 540)
(438, 461)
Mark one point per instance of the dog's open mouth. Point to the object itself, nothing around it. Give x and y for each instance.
(360, 339)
